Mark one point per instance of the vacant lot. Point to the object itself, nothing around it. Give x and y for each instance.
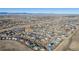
(8, 45)
(74, 45)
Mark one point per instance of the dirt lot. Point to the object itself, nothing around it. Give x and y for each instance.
(74, 45)
(8, 45)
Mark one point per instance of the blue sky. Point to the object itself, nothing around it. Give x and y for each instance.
(41, 10)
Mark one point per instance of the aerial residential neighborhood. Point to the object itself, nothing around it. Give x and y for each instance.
(39, 32)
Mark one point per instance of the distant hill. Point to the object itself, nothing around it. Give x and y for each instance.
(3, 13)
(39, 14)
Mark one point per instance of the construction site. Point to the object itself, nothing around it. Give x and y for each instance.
(31, 32)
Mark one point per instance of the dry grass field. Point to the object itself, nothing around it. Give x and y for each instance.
(9, 45)
(74, 45)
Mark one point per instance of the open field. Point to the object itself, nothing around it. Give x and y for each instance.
(9, 45)
(74, 45)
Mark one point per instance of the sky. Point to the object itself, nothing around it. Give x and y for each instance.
(41, 10)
